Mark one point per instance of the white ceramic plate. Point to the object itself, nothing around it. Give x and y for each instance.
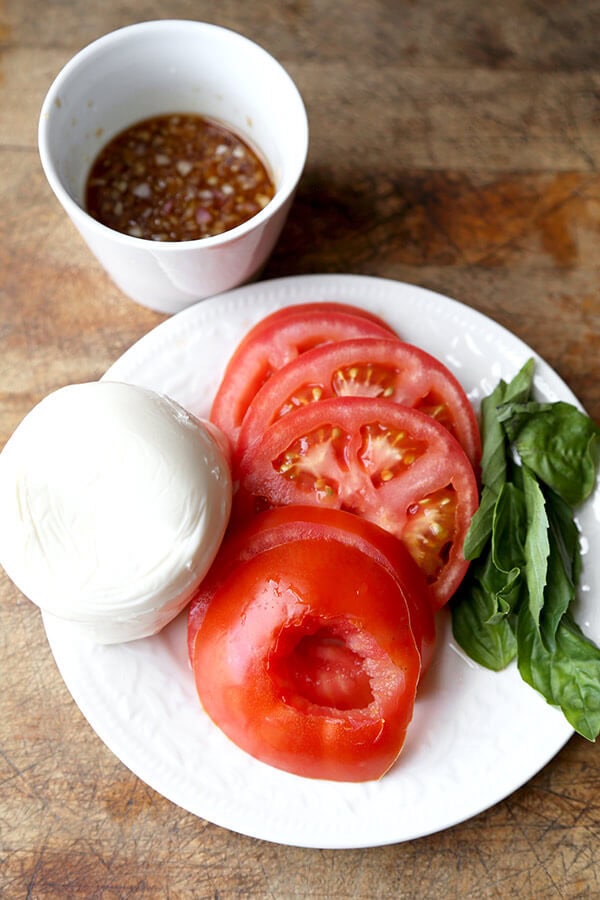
(476, 736)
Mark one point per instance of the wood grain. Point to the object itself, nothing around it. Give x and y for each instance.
(454, 146)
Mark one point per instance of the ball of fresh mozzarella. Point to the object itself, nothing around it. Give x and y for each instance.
(113, 504)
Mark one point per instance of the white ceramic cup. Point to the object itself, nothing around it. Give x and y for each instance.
(160, 67)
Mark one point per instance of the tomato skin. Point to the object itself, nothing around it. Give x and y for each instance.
(250, 661)
(316, 455)
(273, 342)
(286, 524)
(324, 306)
(366, 367)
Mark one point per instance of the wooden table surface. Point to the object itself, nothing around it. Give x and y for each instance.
(454, 145)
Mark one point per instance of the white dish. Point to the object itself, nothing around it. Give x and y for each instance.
(476, 736)
(149, 69)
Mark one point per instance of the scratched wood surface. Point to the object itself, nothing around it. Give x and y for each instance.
(454, 145)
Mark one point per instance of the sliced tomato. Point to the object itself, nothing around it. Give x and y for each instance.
(325, 306)
(390, 464)
(273, 342)
(307, 661)
(369, 367)
(285, 524)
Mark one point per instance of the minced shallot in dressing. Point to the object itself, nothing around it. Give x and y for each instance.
(177, 177)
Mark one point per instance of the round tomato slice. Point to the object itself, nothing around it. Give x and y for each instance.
(369, 367)
(273, 342)
(390, 464)
(285, 524)
(307, 661)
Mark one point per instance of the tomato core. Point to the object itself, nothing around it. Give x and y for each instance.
(314, 453)
(321, 669)
(385, 453)
(364, 380)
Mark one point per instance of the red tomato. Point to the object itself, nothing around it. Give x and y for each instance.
(369, 367)
(390, 464)
(273, 342)
(274, 527)
(307, 661)
(325, 306)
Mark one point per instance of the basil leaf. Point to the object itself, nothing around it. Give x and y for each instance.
(520, 387)
(494, 455)
(568, 677)
(504, 589)
(576, 678)
(534, 658)
(558, 442)
(537, 545)
(503, 575)
(493, 473)
(564, 567)
(566, 533)
(480, 529)
(509, 529)
(485, 637)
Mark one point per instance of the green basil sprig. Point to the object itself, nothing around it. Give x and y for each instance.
(539, 462)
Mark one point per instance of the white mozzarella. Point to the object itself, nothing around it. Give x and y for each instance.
(113, 503)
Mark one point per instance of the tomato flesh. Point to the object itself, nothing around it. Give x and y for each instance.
(307, 661)
(369, 367)
(387, 463)
(276, 340)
